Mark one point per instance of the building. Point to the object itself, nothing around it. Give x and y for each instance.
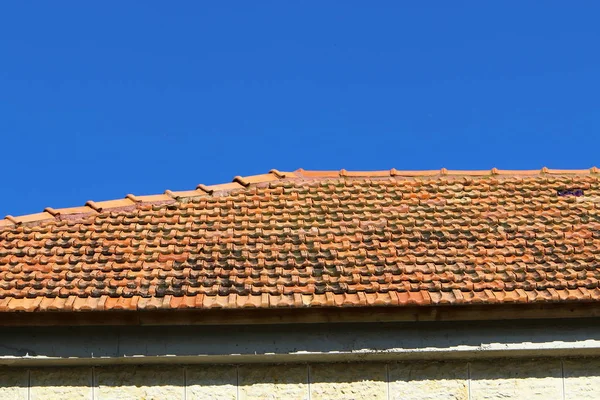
(311, 285)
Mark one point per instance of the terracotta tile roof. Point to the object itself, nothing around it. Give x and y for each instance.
(315, 239)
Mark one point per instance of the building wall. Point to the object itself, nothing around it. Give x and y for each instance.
(530, 379)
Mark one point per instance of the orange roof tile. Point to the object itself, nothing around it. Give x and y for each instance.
(315, 239)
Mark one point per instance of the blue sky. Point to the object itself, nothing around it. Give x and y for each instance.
(101, 99)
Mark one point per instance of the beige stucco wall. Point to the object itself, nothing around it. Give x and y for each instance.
(416, 380)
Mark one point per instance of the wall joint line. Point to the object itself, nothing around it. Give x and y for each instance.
(562, 370)
(387, 380)
(469, 380)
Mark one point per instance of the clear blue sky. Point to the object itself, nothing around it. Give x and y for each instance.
(101, 99)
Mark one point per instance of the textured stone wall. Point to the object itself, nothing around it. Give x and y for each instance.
(417, 380)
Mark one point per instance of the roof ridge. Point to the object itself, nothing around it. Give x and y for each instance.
(444, 172)
(131, 201)
(239, 182)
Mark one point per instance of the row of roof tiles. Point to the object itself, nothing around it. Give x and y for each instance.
(297, 300)
(92, 207)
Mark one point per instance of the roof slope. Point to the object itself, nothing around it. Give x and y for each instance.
(315, 239)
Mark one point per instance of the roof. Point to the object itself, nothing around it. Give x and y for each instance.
(307, 239)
